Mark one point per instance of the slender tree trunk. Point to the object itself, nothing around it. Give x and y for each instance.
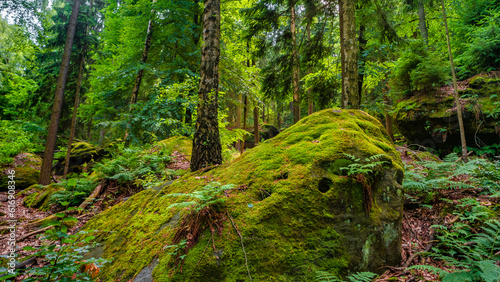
(144, 59)
(389, 120)
(263, 113)
(361, 75)
(310, 105)
(455, 88)
(245, 114)
(422, 22)
(75, 111)
(350, 84)
(342, 53)
(256, 122)
(207, 149)
(238, 121)
(48, 156)
(295, 68)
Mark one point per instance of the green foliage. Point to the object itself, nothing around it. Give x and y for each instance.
(15, 138)
(431, 175)
(418, 69)
(75, 192)
(63, 253)
(324, 276)
(130, 164)
(371, 167)
(209, 195)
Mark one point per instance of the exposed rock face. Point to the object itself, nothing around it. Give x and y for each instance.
(294, 208)
(27, 168)
(431, 120)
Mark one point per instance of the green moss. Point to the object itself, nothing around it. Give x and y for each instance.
(79, 149)
(39, 196)
(290, 230)
(181, 144)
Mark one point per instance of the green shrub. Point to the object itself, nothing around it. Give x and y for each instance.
(15, 139)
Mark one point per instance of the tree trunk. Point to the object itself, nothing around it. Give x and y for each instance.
(295, 68)
(389, 120)
(207, 149)
(245, 113)
(48, 156)
(256, 122)
(310, 105)
(422, 22)
(342, 53)
(350, 84)
(361, 75)
(455, 88)
(75, 111)
(238, 122)
(144, 59)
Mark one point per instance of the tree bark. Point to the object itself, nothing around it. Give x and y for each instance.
(207, 149)
(361, 75)
(48, 156)
(144, 59)
(75, 111)
(295, 67)
(238, 122)
(350, 84)
(245, 113)
(256, 122)
(342, 53)
(455, 88)
(422, 22)
(310, 105)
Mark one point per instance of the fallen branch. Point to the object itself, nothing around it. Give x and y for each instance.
(242, 246)
(92, 197)
(34, 233)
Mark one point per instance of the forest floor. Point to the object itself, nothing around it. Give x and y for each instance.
(417, 235)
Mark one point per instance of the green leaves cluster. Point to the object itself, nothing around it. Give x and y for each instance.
(208, 196)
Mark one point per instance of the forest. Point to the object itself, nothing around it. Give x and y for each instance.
(250, 140)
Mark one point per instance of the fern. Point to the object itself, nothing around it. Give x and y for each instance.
(207, 196)
(324, 276)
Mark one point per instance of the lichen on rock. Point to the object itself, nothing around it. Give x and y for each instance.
(295, 210)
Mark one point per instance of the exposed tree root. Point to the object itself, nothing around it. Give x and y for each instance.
(242, 246)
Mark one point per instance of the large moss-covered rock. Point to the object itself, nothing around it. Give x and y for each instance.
(27, 171)
(82, 153)
(430, 119)
(295, 210)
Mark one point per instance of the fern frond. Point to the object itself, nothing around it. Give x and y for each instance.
(362, 277)
(323, 276)
(429, 268)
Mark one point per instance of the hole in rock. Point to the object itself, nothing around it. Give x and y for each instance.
(324, 184)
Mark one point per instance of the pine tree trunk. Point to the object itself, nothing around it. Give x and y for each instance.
(144, 59)
(238, 121)
(75, 111)
(207, 149)
(310, 105)
(361, 75)
(245, 113)
(350, 84)
(342, 54)
(455, 88)
(422, 22)
(295, 68)
(256, 123)
(48, 156)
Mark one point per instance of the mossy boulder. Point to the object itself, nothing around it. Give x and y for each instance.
(294, 208)
(27, 171)
(38, 196)
(430, 119)
(81, 153)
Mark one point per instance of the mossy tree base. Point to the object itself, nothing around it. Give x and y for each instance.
(295, 210)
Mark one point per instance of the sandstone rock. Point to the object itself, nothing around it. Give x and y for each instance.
(295, 209)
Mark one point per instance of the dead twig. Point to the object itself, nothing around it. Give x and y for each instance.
(242, 246)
